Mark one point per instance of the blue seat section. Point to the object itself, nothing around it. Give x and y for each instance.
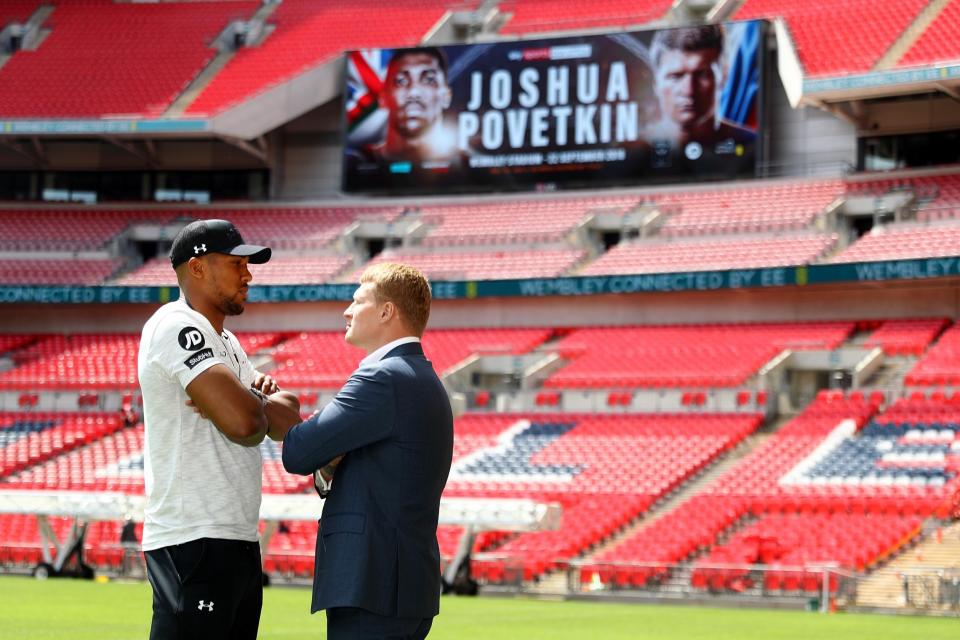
(516, 459)
(898, 429)
(877, 455)
(885, 430)
(19, 429)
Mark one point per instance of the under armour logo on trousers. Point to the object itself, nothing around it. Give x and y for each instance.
(204, 605)
(197, 249)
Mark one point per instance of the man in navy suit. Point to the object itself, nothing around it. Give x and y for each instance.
(389, 435)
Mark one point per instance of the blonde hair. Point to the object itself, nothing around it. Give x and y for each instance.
(404, 286)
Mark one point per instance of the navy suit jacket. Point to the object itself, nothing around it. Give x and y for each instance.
(377, 543)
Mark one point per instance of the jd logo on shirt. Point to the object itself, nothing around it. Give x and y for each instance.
(191, 339)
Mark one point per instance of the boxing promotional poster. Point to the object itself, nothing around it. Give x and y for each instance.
(625, 108)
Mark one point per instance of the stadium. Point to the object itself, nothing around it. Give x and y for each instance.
(694, 300)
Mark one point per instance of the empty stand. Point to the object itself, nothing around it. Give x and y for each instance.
(484, 265)
(746, 208)
(512, 222)
(852, 541)
(75, 362)
(301, 228)
(941, 195)
(282, 229)
(448, 538)
(291, 549)
(941, 365)
(838, 37)
(275, 478)
(28, 439)
(317, 359)
(95, 453)
(112, 463)
(305, 360)
(21, 544)
(644, 558)
(293, 228)
(67, 229)
(693, 356)
(906, 337)
(60, 271)
(903, 241)
(930, 190)
(713, 254)
(307, 33)
(279, 270)
(103, 58)
(323, 359)
(17, 11)
(448, 347)
(917, 414)
(857, 500)
(12, 342)
(90, 361)
(939, 43)
(605, 470)
(254, 342)
(300, 270)
(530, 16)
(937, 196)
(878, 470)
(758, 474)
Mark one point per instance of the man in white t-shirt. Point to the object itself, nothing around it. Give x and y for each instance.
(206, 410)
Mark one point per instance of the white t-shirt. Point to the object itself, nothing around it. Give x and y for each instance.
(199, 484)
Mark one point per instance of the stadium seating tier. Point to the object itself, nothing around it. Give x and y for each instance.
(940, 42)
(822, 30)
(900, 242)
(305, 33)
(678, 356)
(535, 16)
(135, 58)
(683, 255)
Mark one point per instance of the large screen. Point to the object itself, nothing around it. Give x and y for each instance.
(624, 108)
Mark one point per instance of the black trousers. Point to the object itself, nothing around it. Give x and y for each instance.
(350, 623)
(207, 588)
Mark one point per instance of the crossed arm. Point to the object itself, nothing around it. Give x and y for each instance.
(242, 414)
(360, 414)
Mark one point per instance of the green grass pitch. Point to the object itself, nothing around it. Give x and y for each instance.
(55, 609)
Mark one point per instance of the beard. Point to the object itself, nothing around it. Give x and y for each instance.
(230, 306)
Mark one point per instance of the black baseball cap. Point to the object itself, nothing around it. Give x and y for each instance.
(213, 236)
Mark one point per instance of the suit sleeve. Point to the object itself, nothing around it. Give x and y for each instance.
(361, 413)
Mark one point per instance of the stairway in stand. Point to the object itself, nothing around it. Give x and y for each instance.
(884, 588)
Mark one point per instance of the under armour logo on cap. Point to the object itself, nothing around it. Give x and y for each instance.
(203, 237)
(204, 605)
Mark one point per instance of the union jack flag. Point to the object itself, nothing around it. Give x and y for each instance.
(366, 72)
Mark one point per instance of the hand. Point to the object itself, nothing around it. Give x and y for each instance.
(265, 384)
(196, 409)
(326, 471)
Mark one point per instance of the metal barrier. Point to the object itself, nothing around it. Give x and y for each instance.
(820, 587)
(932, 589)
